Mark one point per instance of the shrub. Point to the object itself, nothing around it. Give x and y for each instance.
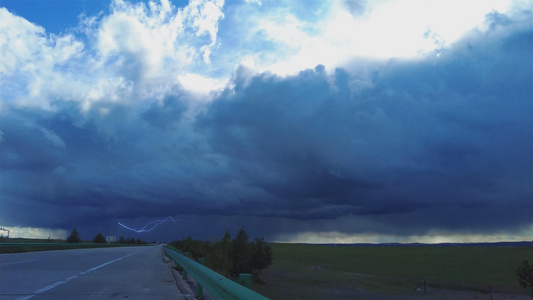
(218, 259)
(525, 275)
(230, 257)
(261, 257)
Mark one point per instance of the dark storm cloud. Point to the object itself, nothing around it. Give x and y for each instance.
(443, 142)
(443, 136)
(68, 161)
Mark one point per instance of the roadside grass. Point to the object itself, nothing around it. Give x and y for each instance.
(320, 271)
(18, 245)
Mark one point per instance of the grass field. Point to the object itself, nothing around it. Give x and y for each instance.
(16, 245)
(322, 271)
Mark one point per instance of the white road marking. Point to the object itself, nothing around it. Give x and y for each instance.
(54, 285)
(46, 288)
(17, 262)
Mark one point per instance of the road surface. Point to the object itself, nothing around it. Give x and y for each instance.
(122, 272)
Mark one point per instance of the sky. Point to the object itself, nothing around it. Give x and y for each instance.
(303, 121)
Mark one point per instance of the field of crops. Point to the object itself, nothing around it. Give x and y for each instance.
(322, 271)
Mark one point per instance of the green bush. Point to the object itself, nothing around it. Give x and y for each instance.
(261, 257)
(218, 259)
(525, 275)
(230, 257)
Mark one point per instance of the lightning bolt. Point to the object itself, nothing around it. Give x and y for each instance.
(152, 225)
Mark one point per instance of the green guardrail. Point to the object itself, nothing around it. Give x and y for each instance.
(220, 287)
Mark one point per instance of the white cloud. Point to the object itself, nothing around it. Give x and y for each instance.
(153, 46)
(201, 84)
(141, 51)
(386, 29)
(16, 52)
(135, 53)
(133, 34)
(204, 17)
(32, 62)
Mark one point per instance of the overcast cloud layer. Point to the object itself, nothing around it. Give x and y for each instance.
(265, 115)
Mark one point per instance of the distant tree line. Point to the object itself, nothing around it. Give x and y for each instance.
(231, 257)
(74, 237)
(132, 241)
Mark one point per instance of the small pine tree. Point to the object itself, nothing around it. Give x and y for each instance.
(74, 237)
(99, 238)
(525, 275)
(121, 240)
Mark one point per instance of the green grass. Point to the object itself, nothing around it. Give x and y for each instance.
(16, 245)
(312, 268)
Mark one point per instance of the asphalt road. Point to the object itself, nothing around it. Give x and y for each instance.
(119, 273)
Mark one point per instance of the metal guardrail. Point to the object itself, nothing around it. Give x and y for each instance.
(220, 287)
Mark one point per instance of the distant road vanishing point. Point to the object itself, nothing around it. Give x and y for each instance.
(121, 272)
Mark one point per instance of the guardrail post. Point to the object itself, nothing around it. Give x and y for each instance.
(199, 288)
(184, 274)
(246, 280)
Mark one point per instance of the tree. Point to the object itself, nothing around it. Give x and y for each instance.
(121, 240)
(525, 275)
(74, 237)
(99, 238)
(240, 253)
(260, 257)
(218, 258)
